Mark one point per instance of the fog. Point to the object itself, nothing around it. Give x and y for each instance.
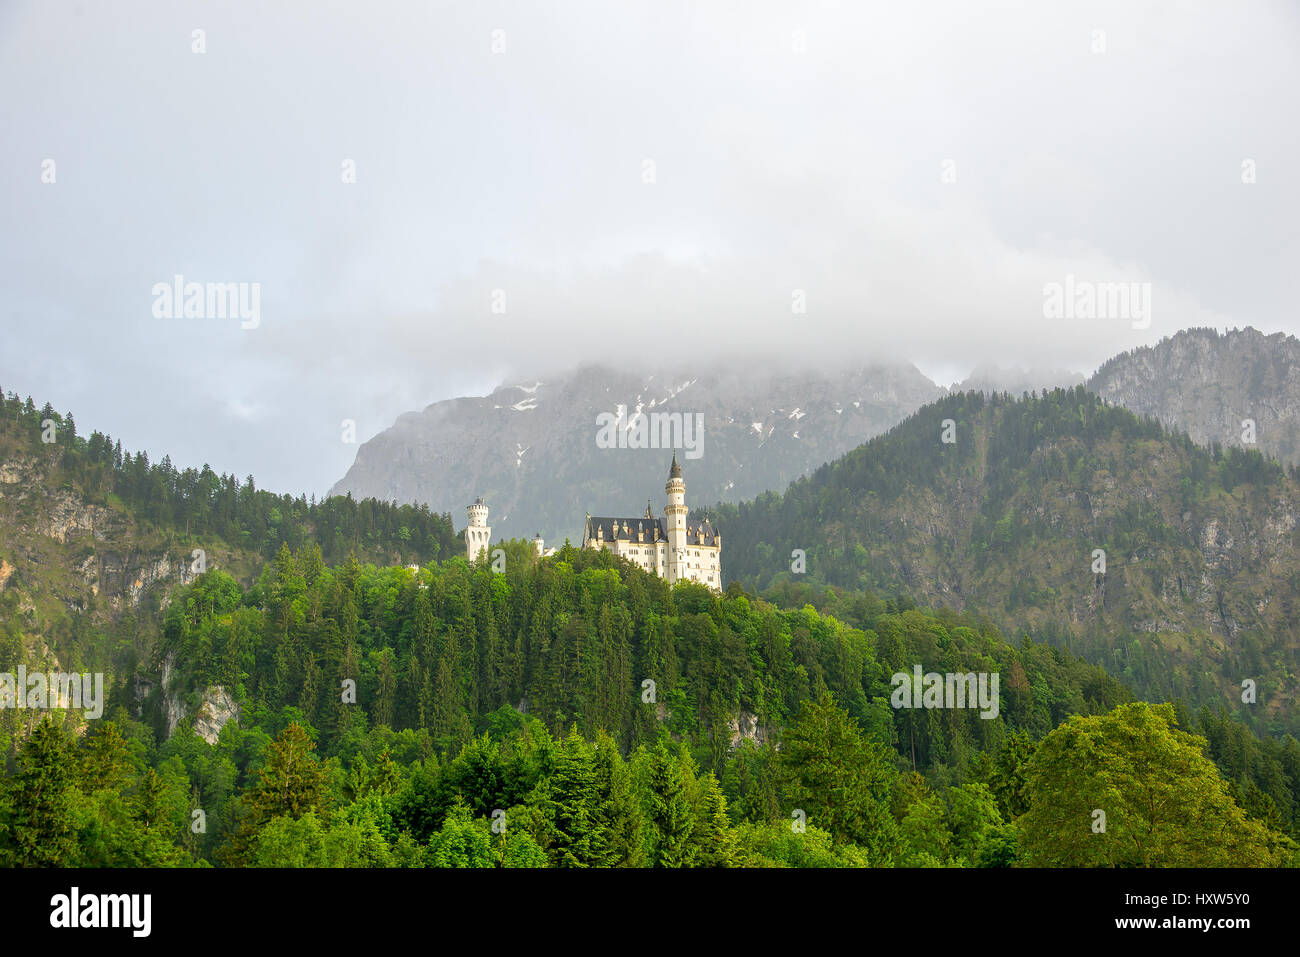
(436, 198)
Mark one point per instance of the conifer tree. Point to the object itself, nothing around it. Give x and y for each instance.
(618, 814)
(838, 778)
(41, 819)
(572, 835)
(670, 814)
(386, 690)
(290, 784)
(713, 835)
(104, 761)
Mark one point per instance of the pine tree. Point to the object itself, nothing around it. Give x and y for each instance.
(838, 778)
(385, 777)
(152, 798)
(568, 802)
(309, 695)
(104, 761)
(669, 810)
(386, 691)
(290, 784)
(713, 835)
(41, 821)
(618, 815)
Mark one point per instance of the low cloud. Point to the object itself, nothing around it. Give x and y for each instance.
(694, 186)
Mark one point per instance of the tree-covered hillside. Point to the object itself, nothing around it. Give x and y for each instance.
(572, 640)
(378, 727)
(93, 539)
(339, 706)
(1175, 567)
(210, 507)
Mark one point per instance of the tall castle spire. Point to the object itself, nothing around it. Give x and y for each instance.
(676, 524)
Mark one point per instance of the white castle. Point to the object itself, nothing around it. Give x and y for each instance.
(670, 547)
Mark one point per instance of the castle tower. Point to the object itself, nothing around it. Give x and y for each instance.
(539, 545)
(478, 534)
(676, 514)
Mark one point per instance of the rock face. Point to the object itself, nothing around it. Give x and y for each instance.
(1207, 383)
(988, 378)
(66, 555)
(745, 727)
(216, 704)
(215, 708)
(173, 704)
(531, 450)
(48, 525)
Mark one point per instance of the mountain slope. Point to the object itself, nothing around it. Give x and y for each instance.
(94, 542)
(1206, 383)
(532, 451)
(991, 378)
(1202, 581)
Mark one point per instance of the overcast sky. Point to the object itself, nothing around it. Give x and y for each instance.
(634, 178)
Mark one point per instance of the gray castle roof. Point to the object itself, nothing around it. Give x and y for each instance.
(701, 533)
(626, 529)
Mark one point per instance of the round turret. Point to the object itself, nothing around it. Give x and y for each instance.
(478, 513)
(477, 534)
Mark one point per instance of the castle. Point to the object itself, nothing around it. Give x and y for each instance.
(670, 547)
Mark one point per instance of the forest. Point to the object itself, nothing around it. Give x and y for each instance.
(1175, 567)
(393, 705)
(575, 711)
(208, 506)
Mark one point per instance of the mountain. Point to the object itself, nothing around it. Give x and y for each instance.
(532, 450)
(95, 542)
(1207, 383)
(992, 378)
(1201, 586)
(470, 692)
